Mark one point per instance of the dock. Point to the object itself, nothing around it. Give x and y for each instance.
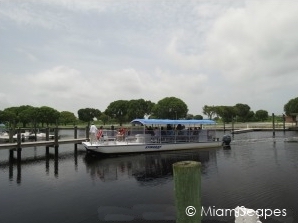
(54, 142)
(50, 143)
(238, 131)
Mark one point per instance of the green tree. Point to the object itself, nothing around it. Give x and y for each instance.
(104, 118)
(12, 116)
(291, 108)
(242, 112)
(227, 113)
(67, 117)
(8, 116)
(250, 116)
(47, 115)
(189, 116)
(88, 114)
(171, 108)
(26, 114)
(198, 117)
(138, 108)
(210, 111)
(261, 115)
(118, 110)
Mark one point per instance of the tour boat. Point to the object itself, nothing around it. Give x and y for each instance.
(151, 135)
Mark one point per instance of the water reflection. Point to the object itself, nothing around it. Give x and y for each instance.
(16, 163)
(255, 172)
(147, 169)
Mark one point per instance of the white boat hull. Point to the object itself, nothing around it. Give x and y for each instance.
(123, 147)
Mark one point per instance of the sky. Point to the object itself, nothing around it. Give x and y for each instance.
(73, 54)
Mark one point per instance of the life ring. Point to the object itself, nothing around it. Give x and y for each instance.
(99, 134)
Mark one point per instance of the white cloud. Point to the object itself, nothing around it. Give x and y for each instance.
(71, 54)
(255, 41)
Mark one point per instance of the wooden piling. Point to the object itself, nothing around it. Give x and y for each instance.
(11, 135)
(19, 141)
(187, 188)
(75, 132)
(87, 132)
(273, 125)
(47, 139)
(47, 134)
(284, 122)
(56, 137)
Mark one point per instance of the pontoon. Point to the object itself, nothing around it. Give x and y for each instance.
(148, 135)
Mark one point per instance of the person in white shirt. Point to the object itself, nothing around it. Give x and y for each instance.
(93, 132)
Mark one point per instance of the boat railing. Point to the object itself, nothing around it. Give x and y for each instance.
(172, 136)
(163, 136)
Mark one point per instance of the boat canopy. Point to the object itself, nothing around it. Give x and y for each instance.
(173, 122)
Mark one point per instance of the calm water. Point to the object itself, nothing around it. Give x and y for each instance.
(77, 188)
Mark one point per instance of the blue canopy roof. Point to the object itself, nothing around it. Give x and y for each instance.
(174, 122)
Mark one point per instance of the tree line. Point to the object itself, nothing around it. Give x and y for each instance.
(122, 111)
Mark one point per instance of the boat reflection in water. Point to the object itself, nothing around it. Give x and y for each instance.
(149, 168)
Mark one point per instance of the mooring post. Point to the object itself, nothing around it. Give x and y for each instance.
(75, 136)
(273, 125)
(87, 132)
(75, 132)
(284, 122)
(47, 134)
(19, 140)
(76, 157)
(47, 139)
(19, 149)
(11, 135)
(187, 188)
(56, 137)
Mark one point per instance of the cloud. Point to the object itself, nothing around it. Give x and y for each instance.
(31, 15)
(255, 41)
(28, 55)
(72, 54)
(59, 87)
(65, 88)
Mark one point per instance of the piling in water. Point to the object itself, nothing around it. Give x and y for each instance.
(273, 125)
(187, 189)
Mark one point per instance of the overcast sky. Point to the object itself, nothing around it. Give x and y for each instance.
(72, 54)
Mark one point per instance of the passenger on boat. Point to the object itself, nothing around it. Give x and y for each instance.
(93, 131)
(99, 133)
(121, 134)
(156, 132)
(195, 131)
(162, 131)
(170, 130)
(150, 131)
